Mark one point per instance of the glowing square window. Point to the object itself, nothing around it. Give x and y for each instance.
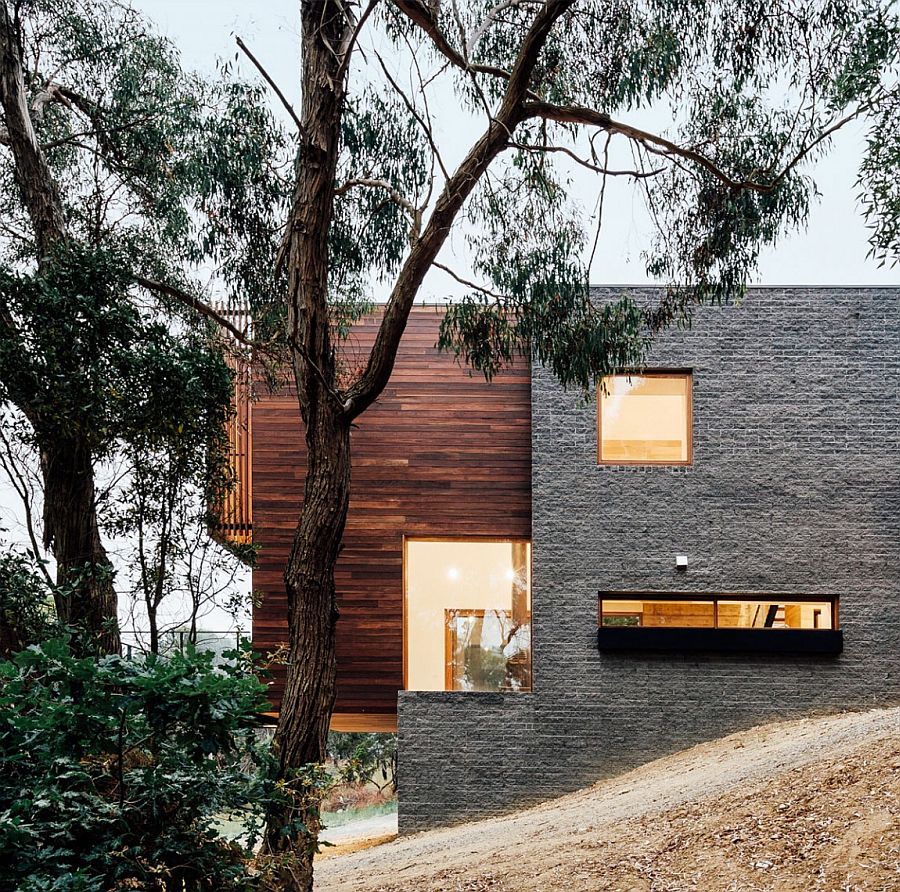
(467, 615)
(645, 419)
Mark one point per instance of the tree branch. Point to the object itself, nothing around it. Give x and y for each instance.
(659, 145)
(347, 49)
(397, 197)
(33, 177)
(489, 19)
(637, 174)
(423, 123)
(268, 79)
(17, 479)
(576, 114)
(467, 282)
(204, 309)
(420, 14)
(365, 390)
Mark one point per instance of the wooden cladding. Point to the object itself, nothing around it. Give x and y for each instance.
(441, 454)
(235, 513)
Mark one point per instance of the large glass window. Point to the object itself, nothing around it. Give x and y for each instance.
(467, 615)
(645, 419)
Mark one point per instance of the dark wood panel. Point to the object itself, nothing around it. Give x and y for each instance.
(442, 453)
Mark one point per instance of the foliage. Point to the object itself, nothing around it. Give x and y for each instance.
(116, 772)
(26, 603)
(880, 179)
(90, 363)
(754, 92)
(168, 185)
(170, 168)
(362, 757)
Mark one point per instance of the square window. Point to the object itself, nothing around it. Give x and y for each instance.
(645, 419)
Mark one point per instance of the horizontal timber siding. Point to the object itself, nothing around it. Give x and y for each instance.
(442, 453)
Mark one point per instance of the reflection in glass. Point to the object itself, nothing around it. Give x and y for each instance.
(468, 615)
(645, 418)
(487, 650)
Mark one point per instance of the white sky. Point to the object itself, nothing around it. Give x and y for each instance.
(832, 251)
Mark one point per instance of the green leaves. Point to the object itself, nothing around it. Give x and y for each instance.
(115, 771)
(26, 603)
(880, 182)
(89, 362)
(755, 90)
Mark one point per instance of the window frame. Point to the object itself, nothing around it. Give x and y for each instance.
(722, 639)
(450, 642)
(687, 373)
(462, 538)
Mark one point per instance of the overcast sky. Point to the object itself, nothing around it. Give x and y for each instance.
(831, 251)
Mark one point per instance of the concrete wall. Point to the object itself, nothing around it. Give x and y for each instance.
(795, 487)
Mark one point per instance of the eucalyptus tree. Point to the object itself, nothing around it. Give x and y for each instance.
(752, 93)
(128, 186)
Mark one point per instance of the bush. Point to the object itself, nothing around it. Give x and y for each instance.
(364, 757)
(26, 603)
(117, 774)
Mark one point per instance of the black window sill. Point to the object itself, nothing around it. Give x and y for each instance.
(779, 641)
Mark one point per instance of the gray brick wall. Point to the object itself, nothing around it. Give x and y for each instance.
(795, 486)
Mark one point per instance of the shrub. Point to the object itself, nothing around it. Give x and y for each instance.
(118, 774)
(365, 756)
(26, 603)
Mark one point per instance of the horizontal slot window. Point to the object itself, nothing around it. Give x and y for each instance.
(692, 611)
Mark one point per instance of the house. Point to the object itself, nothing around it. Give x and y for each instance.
(540, 589)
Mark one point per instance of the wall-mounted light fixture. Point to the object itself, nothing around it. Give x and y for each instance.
(681, 562)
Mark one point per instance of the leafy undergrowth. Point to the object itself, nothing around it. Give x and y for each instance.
(355, 796)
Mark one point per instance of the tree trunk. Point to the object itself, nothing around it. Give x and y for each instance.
(308, 700)
(88, 600)
(70, 511)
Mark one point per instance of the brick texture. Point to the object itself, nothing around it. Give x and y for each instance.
(795, 487)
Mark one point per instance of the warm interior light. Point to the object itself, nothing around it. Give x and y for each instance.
(721, 613)
(645, 418)
(468, 615)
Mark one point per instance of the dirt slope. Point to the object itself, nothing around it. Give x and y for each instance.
(804, 806)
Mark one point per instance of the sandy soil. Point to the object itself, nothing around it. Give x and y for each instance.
(804, 806)
(381, 827)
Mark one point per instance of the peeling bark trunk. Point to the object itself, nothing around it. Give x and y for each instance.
(84, 571)
(309, 577)
(309, 694)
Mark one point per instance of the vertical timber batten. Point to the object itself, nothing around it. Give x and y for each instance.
(234, 515)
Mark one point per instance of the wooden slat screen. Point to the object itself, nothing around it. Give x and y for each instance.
(235, 513)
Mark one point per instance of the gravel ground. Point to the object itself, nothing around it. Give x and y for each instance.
(804, 806)
(376, 827)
